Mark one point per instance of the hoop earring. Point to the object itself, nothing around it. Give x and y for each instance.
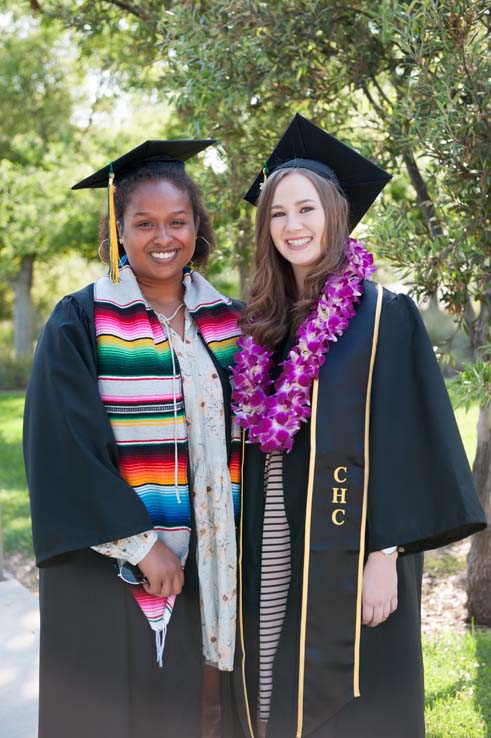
(101, 247)
(205, 240)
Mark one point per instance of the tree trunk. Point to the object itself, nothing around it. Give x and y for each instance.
(422, 195)
(23, 308)
(427, 208)
(479, 559)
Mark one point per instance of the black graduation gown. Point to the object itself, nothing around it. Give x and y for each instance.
(420, 496)
(98, 670)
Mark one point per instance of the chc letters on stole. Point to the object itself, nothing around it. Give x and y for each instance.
(339, 495)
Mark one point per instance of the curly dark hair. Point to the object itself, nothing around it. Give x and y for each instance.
(124, 188)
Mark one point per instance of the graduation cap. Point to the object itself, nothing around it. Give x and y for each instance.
(173, 153)
(306, 145)
(168, 152)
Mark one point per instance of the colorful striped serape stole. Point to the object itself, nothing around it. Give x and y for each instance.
(144, 403)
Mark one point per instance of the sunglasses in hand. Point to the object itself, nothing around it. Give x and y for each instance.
(129, 573)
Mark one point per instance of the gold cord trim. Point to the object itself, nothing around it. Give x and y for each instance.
(306, 557)
(356, 671)
(241, 621)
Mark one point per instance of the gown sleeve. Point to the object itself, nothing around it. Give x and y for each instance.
(421, 492)
(78, 498)
(132, 549)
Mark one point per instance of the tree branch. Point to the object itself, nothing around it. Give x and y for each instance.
(381, 92)
(378, 108)
(470, 80)
(131, 9)
(422, 195)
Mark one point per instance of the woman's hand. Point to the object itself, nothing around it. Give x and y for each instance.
(163, 570)
(379, 588)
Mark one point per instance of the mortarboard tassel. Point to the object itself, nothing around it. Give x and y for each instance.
(113, 234)
(265, 176)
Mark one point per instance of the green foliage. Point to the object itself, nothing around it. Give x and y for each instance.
(448, 338)
(14, 371)
(40, 77)
(52, 280)
(35, 94)
(445, 48)
(5, 301)
(32, 214)
(474, 382)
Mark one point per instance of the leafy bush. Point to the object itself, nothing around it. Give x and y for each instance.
(14, 373)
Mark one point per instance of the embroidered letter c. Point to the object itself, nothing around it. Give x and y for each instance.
(336, 474)
(335, 514)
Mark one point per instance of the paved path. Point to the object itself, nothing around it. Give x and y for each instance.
(19, 660)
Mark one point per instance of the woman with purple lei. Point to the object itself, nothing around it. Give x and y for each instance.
(353, 464)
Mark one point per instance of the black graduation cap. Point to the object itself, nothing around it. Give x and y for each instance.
(172, 152)
(306, 145)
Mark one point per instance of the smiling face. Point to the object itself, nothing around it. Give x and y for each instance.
(298, 224)
(158, 232)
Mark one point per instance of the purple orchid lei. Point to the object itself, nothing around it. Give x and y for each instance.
(273, 419)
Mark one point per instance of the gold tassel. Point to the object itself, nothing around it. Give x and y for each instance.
(265, 177)
(113, 234)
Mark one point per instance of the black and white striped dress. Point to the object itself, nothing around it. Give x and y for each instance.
(275, 577)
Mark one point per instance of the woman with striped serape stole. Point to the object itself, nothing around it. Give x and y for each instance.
(132, 460)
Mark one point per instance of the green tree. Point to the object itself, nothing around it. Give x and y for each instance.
(36, 129)
(58, 117)
(446, 115)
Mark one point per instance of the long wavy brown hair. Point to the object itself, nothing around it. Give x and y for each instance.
(275, 309)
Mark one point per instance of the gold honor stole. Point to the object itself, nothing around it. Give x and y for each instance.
(335, 525)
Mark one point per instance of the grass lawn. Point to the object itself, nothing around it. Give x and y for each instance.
(458, 685)
(467, 423)
(13, 494)
(458, 666)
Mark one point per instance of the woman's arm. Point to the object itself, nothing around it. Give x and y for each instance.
(161, 567)
(132, 549)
